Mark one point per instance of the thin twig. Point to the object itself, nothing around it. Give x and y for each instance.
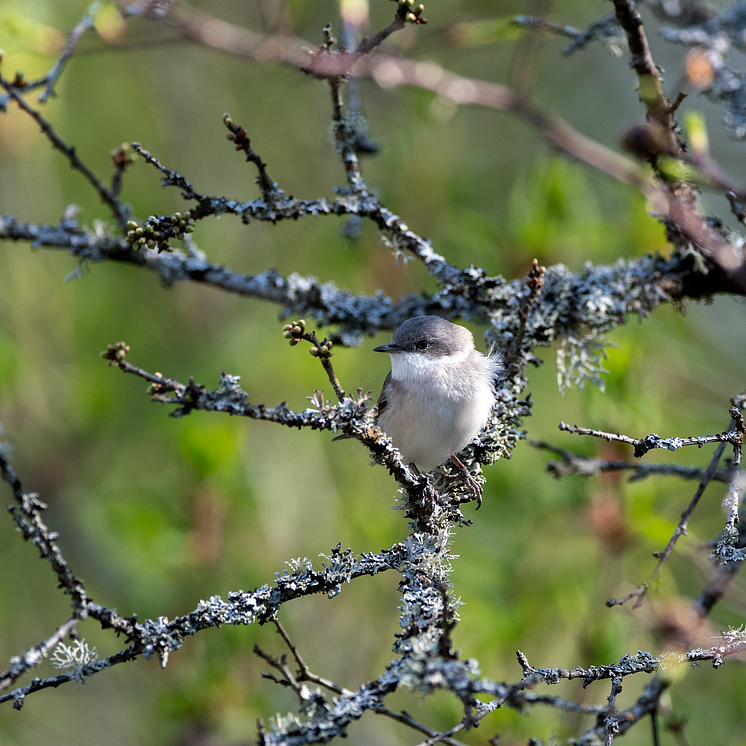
(587, 466)
(652, 441)
(49, 80)
(680, 530)
(240, 138)
(108, 196)
(296, 331)
(346, 138)
(444, 737)
(406, 719)
(650, 84)
(86, 23)
(612, 717)
(534, 284)
(170, 178)
(304, 672)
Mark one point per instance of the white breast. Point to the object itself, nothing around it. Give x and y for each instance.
(435, 406)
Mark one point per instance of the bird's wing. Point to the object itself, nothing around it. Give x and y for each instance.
(381, 403)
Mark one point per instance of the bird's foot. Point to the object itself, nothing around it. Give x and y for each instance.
(474, 487)
(429, 493)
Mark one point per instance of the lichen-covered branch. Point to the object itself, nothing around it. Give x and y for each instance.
(653, 441)
(552, 306)
(572, 463)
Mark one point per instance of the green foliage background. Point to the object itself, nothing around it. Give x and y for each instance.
(156, 513)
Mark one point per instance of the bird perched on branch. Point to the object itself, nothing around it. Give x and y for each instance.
(438, 395)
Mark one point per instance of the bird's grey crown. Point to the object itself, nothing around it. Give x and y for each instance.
(429, 335)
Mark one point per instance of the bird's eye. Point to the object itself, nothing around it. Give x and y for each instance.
(421, 344)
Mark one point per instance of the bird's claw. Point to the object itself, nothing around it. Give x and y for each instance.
(474, 487)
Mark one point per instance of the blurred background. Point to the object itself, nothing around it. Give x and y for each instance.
(156, 513)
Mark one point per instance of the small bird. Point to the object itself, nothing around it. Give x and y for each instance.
(438, 395)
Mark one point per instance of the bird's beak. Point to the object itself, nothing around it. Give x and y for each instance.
(390, 348)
